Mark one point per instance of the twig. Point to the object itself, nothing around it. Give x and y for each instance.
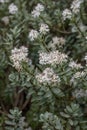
(17, 99)
(21, 100)
(26, 103)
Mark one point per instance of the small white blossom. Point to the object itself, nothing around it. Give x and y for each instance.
(37, 11)
(5, 20)
(12, 8)
(75, 6)
(56, 41)
(18, 56)
(82, 27)
(86, 37)
(48, 76)
(39, 7)
(33, 34)
(54, 57)
(85, 58)
(77, 76)
(44, 28)
(67, 14)
(74, 65)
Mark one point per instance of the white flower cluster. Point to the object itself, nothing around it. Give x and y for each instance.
(75, 6)
(79, 93)
(37, 11)
(74, 65)
(56, 41)
(48, 76)
(33, 34)
(77, 76)
(12, 8)
(44, 28)
(54, 57)
(67, 14)
(18, 56)
(74, 9)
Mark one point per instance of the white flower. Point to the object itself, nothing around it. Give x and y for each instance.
(39, 7)
(77, 76)
(48, 76)
(74, 65)
(67, 14)
(12, 8)
(5, 20)
(86, 37)
(18, 56)
(85, 58)
(44, 28)
(82, 27)
(56, 41)
(33, 35)
(75, 6)
(54, 57)
(37, 11)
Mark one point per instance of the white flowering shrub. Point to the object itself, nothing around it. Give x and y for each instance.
(43, 65)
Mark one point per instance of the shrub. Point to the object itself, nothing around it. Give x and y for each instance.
(43, 65)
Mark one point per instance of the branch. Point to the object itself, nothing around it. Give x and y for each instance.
(26, 103)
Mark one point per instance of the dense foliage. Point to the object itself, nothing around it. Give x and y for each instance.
(43, 65)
